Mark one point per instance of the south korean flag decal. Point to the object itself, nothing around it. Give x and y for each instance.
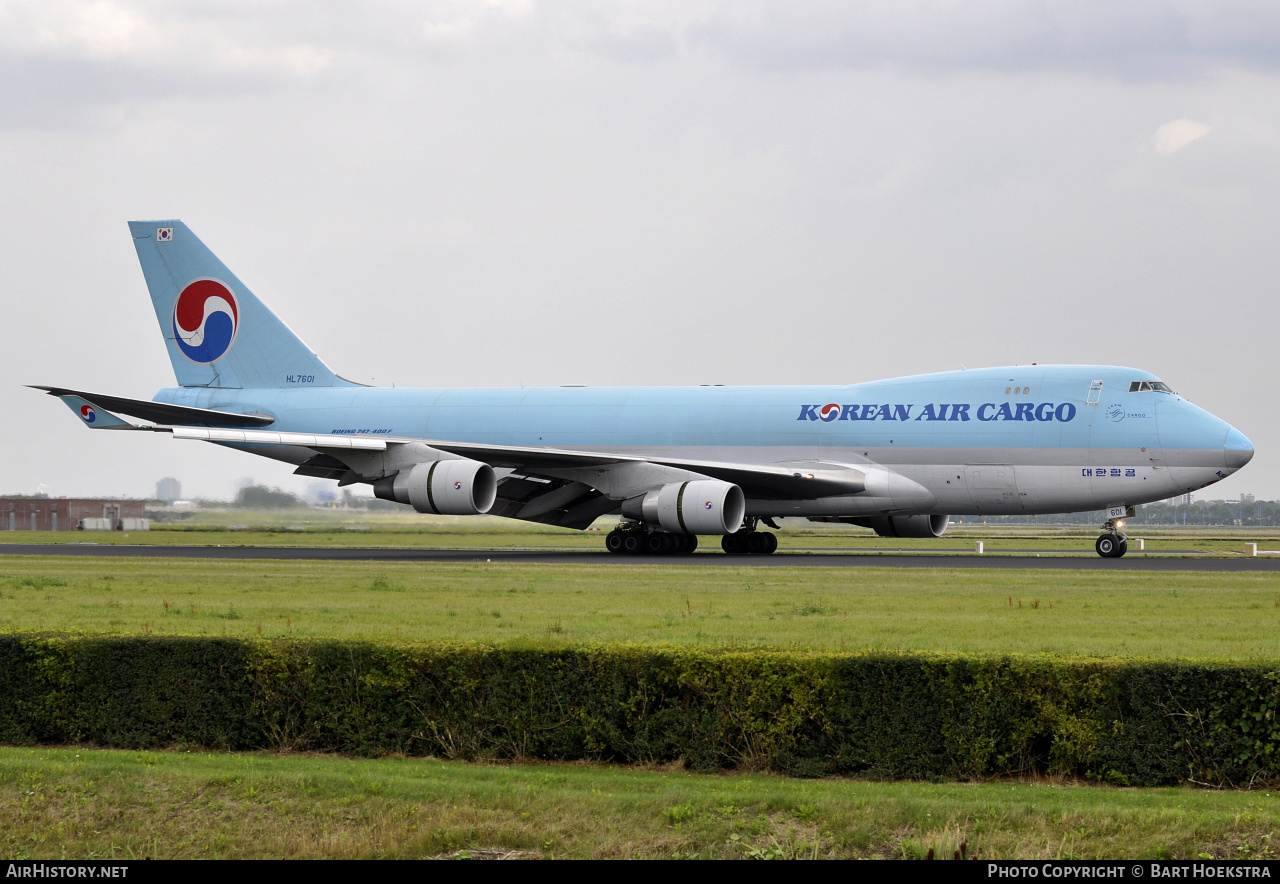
(164, 234)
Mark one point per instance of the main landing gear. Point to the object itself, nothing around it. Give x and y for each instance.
(747, 540)
(636, 538)
(632, 538)
(1115, 543)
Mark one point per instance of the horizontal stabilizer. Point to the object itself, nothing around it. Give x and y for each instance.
(94, 418)
(158, 412)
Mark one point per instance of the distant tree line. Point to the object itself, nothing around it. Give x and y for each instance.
(1246, 513)
(260, 497)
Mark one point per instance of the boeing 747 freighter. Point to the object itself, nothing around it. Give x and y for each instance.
(898, 456)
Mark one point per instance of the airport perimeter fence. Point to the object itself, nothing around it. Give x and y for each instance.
(809, 714)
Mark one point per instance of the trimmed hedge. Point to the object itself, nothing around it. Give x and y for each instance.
(879, 715)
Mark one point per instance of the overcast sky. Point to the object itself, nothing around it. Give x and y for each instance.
(508, 192)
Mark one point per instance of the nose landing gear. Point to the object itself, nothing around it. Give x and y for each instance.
(1113, 544)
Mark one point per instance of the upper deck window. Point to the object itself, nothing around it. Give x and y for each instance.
(1149, 387)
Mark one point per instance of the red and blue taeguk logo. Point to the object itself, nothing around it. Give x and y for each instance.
(457, 486)
(829, 412)
(707, 504)
(87, 414)
(205, 319)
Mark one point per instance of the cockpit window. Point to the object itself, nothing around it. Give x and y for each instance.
(1149, 387)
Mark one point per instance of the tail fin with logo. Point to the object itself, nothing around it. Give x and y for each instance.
(218, 333)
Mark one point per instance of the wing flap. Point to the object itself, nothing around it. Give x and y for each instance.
(567, 504)
(780, 481)
(260, 437)
(519, 458)
(800, 481)
(323, 466)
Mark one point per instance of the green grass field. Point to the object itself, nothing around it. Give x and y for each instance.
(76, 803)
(1120, 614)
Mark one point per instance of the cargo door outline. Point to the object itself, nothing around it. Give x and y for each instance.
(993, 486)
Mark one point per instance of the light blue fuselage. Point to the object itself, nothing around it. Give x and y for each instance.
(1030, 439)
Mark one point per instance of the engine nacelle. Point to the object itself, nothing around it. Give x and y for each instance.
(703, 506)
(903, 526)
(459, 487)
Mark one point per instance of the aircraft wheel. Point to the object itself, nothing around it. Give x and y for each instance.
(734, 544)
(756, 542)
(613, 541)
(632, 542)
(1109, 546)
(657, 544)
(773, 543)
(1121, 548)
(691, 543)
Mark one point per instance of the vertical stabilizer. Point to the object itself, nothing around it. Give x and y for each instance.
(218, 333)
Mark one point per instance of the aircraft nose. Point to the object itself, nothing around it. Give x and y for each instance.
(1237, 448)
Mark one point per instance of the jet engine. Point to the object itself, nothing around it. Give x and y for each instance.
(703, 506)
(459, 487)
(903, 526)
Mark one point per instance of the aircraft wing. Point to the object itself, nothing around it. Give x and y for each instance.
(783, 481)
(775, 481)
(564, 487)
(567, 487)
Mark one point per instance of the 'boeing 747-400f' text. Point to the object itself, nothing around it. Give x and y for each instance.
(898, 456)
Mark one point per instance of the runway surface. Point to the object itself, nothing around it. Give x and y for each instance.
(854, 559)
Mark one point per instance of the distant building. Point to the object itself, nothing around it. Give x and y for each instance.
(68, 514)
(168, 489)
